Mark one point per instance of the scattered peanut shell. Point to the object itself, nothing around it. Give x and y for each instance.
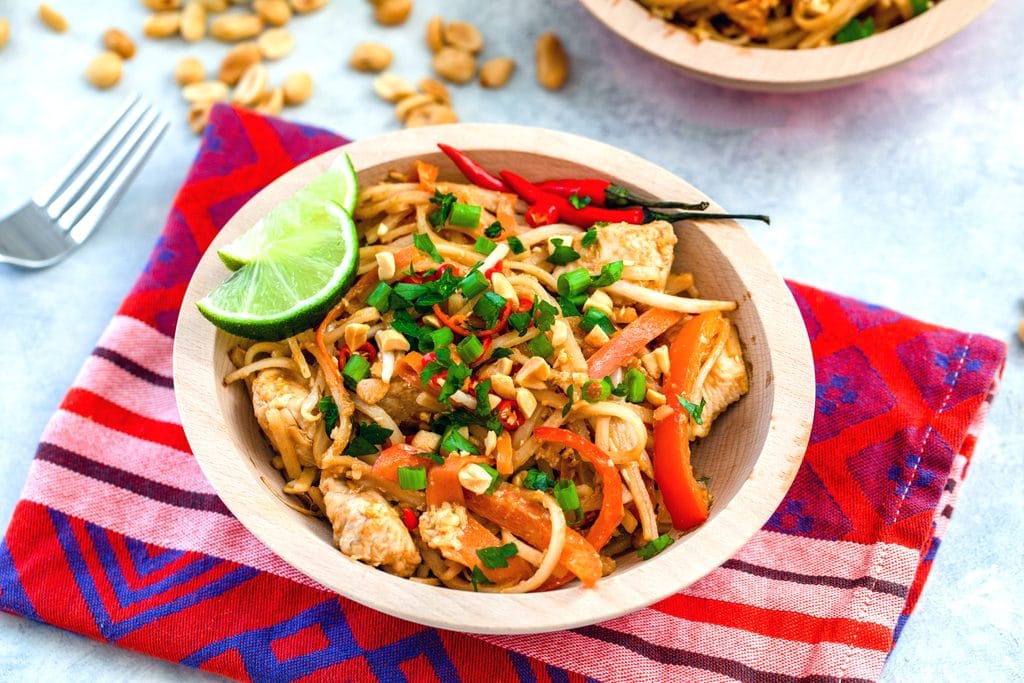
(162, 5)
(431, 115)
(454, 65)
(275, 43)
(237, 60)
(189, 70)
(392, 12)
(307, 6)
(161, 24)
(496, 72)
(116, 40)
(464, 36)
(435, 34)
(252, 86)
(199, 115)
(273, 12)
(432, 86)
(193, 22)
(206, 91)
(297, 88)
(231, 28)
(272, 102)
(104, 71)
(407, 104)
(371, 57)
(5, 32)
(552, 61)
(52, 18)
(392, 87)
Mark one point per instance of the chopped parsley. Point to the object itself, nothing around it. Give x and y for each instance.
(478, 578)
(445, 203)
(423, 242)
(452, 441)
(695, 411)
(368, 439)
(562, 254)
(329, 409)
(496, 557)
(493, 230)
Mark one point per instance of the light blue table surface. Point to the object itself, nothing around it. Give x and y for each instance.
(907, 190)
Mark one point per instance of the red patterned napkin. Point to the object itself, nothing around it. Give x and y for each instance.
(119, 537)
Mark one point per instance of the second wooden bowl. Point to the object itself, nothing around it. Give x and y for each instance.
(751, 455)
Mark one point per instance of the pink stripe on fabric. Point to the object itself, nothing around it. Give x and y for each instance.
(141, 343)
(110, 447)
(842, 559)
(949, 495)
(119, 386)
(813, 600)
(151, 521)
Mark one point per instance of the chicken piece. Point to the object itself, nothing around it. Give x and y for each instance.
(441, 528)
(367, 528)
(724, 385)
(400, 401)
(646, 251)
(277, 398)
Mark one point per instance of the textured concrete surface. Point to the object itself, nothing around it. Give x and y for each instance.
(904, 191)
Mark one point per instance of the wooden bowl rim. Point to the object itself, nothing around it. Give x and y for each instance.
(707, 547)
(772, 70)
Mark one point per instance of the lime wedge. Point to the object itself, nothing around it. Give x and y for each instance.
(292, 265)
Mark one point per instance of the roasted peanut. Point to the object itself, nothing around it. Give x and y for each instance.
(231, 28)
(496, 72)
(5, 32)
(189, 70)
(552, 62)
(464, 36)
(370, 57)
(214, 6)
(431, 115)
(275, 43)
(435, 34)
(454, 65)
(273, 12)
(104, 71)
(432, 86)
(407, 104)
(307, 6)
(392, 12)
(193, 22)
(52, 18)
(161, 24)
(116, 40)
(297, 88)
(272, 102)
(392, 87)
(206, 91)
(237, 60)
(252, 86)
(199, 116)
(162, 5)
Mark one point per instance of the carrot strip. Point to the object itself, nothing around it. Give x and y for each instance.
(475, 536)
(629, 340)
(427, 173)
(400, 455)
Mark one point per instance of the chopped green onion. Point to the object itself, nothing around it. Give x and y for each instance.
(579, 202)
(636, 386)
(329, 410)
(566, 495)
(380, 297)
(855, 30)
(423, 242)
(610, 274)
(412, 478)
(493, 230)
(540, 346)
(919, 6)
(595, 318)
(477, 577)
(484, 246)
(516, 245)
(562, 254)
(473, 284)
(695, 411)
(590, 237)
(572, 305)
(453, 441)
(596, 390)
(574, 282)
(489, 307)
(496, 557)
(538, 481)
(355, 371)
(570, 394)
(465, 215)
(649, 550)
(503, 352)
(441, 337)
(495, 478)
(470, 349)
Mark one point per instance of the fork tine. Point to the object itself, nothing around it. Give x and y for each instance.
(45, 194)
(86, 176)
(84, 227)
(98, 183)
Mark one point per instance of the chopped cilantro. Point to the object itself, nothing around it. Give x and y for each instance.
(423, 242)
(562, 254)
(538, 481)
(496, 557)
(501, 353)
(519, 321)
(590, 238)
(918, 6)
(695, 411)
(578, 202)
(855, 30)
(483, 402)
(368, 439)
(516, 245)
(329, 409)
(570, 393)
(545, 315)
(445, 202)
(493, 230)
(478, 578)
(457, 376)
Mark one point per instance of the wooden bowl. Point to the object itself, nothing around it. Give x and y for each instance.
(773, 70)
(751, 455)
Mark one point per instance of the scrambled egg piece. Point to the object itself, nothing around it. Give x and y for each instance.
(368, 529)
(646, 251)
(724, 385)
(441, 527)
(274, 389)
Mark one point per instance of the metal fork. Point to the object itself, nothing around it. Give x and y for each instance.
(66, 209)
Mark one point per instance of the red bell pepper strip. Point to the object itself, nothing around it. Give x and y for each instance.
(685, 498)
(605, 193)
(474, 172)
(611, 483)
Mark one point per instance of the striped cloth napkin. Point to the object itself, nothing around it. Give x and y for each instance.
(119, 537)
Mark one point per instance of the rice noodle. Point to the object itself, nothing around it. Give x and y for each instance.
(656, 299)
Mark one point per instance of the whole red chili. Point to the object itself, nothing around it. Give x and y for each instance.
(473, 171)
(597, 192)
(508, 413)
(541, 214)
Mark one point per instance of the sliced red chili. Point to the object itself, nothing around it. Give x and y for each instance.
(508, 413)
(410, 519)
(366, 350)
(427, 276)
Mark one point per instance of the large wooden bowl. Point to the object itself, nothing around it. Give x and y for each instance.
(751, 455)
(772, 70)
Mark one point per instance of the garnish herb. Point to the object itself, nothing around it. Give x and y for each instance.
(501, 353)
(545, 314)
(578, 202)
(457, 376)
(495, 478)
(355, 371)
(590, 238)
(562, 254)
(484, 246)
(568, 406)
(919, 6)
(516, 245)
(477, 577)
(540, 346)
(380, 297)
(489, 307)
(464, 215)
(695, 411)
(452, 441)
(496, 557)
(423, 242)
(412, 478)
(440, 338)
(329, 409)
(368, 439)
(483, 401)
(636, 386)
(519, 321)
(493, 230)
(649, 550)
(538, 481)
(855, 30)
(610, 274)
(445, 202)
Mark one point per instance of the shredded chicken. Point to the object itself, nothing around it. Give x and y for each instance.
(646, 251)
(400, 401)
(726, 382)
(367, 528)
(279, 390)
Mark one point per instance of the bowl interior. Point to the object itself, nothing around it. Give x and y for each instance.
(750, 456)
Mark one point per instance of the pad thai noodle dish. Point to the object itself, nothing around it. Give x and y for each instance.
(505, 397)
(786, 23)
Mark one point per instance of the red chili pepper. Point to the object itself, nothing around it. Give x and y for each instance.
(437, 379)
(366, 350)
(541, 214)
(508, 413)
(410, 519)
(496, 268)
(473, 171)
(456, 323)
(605, 193)
(420, 278)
